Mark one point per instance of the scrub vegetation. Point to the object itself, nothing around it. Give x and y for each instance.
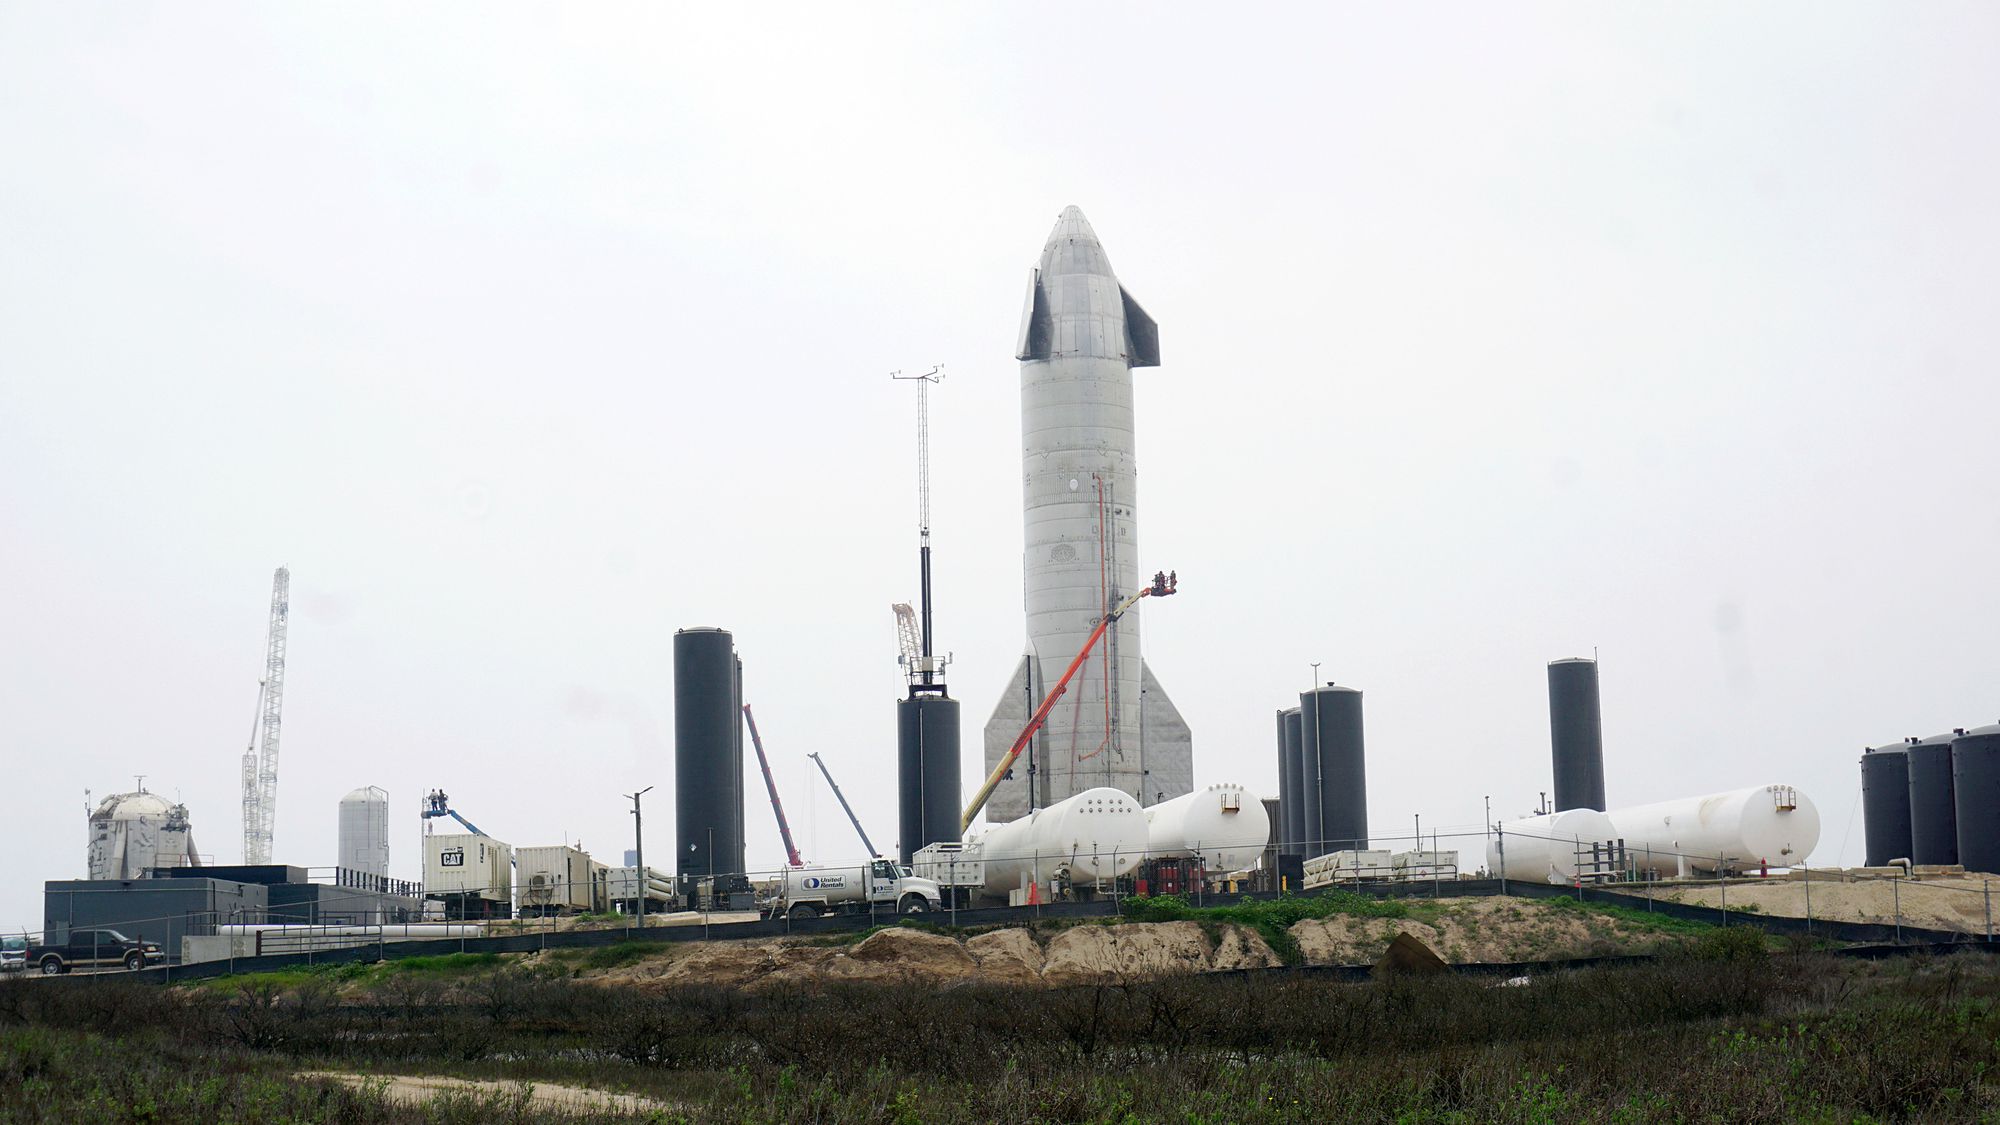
(1724, 1031)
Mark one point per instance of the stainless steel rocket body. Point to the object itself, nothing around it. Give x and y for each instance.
(1081, 335)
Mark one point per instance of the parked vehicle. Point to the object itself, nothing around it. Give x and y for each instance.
(94, 949)
(13, 954)
(808, 892)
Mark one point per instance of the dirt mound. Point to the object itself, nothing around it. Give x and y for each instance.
(1408, 956)
(903, 954)
(1938, 903)
(1086, 954)
(1007, 957)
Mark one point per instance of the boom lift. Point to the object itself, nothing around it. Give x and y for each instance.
(844, 807)
(1164, 583)
(437, 804)
(771, 786)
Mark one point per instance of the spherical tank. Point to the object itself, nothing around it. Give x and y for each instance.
(1933, 811)
(1097, 834)
(1885, 803)
(1766, 825)
(131, 833)
(1975, 786)
(1547, 848)
(1225, 824)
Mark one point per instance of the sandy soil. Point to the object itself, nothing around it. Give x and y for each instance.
(1939, 902)
(1472, 930)
(546, 1097)
(1475, 930)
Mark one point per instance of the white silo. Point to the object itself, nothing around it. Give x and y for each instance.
(131, 833)
(364, 831)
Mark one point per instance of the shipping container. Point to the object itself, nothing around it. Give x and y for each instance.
(469, 865)
(555, 880)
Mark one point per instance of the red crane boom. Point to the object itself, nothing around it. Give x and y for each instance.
(770, 786)
(1163, 584)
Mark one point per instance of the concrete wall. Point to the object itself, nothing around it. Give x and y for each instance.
(157, 910)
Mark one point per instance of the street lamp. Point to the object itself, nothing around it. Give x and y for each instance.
(1319, 791)
(639, 852)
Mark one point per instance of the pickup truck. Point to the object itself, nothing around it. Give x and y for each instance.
(94, 949)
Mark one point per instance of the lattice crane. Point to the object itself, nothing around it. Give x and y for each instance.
(260, 763)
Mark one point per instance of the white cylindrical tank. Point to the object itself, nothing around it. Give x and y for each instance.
(1225, 824)
(1097, 834)
(364, 831)
(131, 833)
(1539, 848)
(1765, 825)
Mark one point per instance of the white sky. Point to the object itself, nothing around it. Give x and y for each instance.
(527, 335)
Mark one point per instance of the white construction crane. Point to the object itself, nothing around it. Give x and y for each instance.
(925, 670)
(260, 762)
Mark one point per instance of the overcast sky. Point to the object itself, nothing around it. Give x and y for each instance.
(525, 336)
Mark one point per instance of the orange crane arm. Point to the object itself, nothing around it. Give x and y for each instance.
(1161, 587)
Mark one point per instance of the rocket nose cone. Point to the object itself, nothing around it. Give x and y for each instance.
(1071, 224)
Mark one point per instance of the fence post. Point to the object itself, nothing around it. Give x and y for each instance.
(1722, 880)
(1500, 834)
(1986, 892)
(1896, 892)
(1808, 880)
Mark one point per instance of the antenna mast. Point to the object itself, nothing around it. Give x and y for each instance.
(928, 671)
(260, 770)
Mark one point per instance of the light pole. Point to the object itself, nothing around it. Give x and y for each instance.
(639, 852)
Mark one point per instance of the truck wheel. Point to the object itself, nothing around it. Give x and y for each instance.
(914, 904)
(51, 966)
(134, 961)
(802, 912)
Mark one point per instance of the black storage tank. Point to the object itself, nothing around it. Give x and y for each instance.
(1287, 803)
(1975, 787)
(1330, 730)
(1304, 818)
(1576, 734)
(928, 792)
(1885, 802)
(1933, 817)
(708, 759)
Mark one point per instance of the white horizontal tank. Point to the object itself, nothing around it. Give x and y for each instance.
(1224, 824)
(1099, 834)
(1540, 849)
(1765, 825)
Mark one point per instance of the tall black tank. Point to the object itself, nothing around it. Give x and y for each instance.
(1576, 734)
(1287, 803)
(928, 793)
(1305, 787)
(1885, 802)
(708, 758)
(1330, 730)
(1933, 816)
(1975, 787)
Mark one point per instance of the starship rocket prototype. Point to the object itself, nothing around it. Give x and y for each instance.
(1081, 336)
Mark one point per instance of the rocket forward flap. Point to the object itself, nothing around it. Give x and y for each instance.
(1142, 335)
(1037, 329)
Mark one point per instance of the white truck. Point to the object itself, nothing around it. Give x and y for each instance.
(958, 869)
(808, 892)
